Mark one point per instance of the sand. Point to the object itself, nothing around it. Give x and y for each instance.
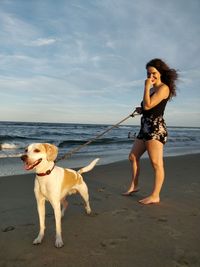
(120, 231)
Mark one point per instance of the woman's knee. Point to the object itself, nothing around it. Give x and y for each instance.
(132, 157)
(137, 151)
(157, 164)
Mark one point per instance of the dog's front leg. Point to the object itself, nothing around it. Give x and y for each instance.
(41, 213)
(57, 211)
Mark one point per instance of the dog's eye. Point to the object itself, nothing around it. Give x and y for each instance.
(26, 150)
(36, 150)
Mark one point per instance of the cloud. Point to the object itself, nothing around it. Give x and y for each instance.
(42, 42)
(15, 30)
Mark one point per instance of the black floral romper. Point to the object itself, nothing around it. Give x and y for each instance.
(153, 126)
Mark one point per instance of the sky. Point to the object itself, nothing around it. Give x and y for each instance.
(83, 61)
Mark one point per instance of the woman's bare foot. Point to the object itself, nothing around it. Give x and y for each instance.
(149, 200)
(130, 192)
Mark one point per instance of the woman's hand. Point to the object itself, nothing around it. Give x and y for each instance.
(148, 84)
(138, 110)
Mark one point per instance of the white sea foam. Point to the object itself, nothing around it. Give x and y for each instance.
(8, 146)
(5, 155)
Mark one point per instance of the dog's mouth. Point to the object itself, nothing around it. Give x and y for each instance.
(29, 166)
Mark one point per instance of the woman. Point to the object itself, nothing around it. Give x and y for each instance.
(158, 89)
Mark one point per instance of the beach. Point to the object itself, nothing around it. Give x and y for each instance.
(119, 232)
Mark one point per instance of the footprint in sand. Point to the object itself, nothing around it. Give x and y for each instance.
(108, 244)
(113, 242)
(128, 215)
(102, 189)
(172, 232)
(119, 212)
(162, 219)
(8, 229)
(96, 199)
(186, 258)
(97, 252)
(132, 216)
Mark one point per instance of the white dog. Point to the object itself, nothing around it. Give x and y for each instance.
(54, 183)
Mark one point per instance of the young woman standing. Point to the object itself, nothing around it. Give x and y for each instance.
(159, 87)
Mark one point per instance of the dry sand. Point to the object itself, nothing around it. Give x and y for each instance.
(120, 231)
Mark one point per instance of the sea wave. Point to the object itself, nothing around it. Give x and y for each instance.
(9, 146)
(16, 138)
(181, 139)
(94, 142)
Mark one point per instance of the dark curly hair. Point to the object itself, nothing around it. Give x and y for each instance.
(168, 75)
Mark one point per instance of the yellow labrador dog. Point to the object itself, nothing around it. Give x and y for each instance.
(54, 183)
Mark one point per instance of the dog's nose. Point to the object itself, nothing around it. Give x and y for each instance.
(24, 157)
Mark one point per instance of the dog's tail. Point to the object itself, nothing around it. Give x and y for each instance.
(89, 167)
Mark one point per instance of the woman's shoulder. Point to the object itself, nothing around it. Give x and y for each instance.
(164, 90)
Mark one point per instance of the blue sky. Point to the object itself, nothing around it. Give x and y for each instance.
(83, 61)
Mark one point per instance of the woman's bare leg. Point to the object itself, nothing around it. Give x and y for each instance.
(155, 151)
(136, 152)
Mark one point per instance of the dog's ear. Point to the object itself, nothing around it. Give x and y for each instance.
(52, 151)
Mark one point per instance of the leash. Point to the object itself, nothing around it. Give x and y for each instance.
(76, 149)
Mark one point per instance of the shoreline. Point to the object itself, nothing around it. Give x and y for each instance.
(13, 166)
(120, 231)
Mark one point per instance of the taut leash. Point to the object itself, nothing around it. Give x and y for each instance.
(71, 152)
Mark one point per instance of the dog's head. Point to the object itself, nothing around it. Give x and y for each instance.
(36, 153)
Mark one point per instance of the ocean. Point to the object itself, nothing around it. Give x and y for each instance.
(113, 146)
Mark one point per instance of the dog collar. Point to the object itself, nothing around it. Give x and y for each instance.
(46, 173)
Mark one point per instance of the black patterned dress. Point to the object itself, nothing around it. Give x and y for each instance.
(153, 126)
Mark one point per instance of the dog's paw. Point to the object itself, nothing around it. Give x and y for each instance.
(88, 210)
(59, 243)
(38, 240)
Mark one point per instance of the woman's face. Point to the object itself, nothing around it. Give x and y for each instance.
(154, 75)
